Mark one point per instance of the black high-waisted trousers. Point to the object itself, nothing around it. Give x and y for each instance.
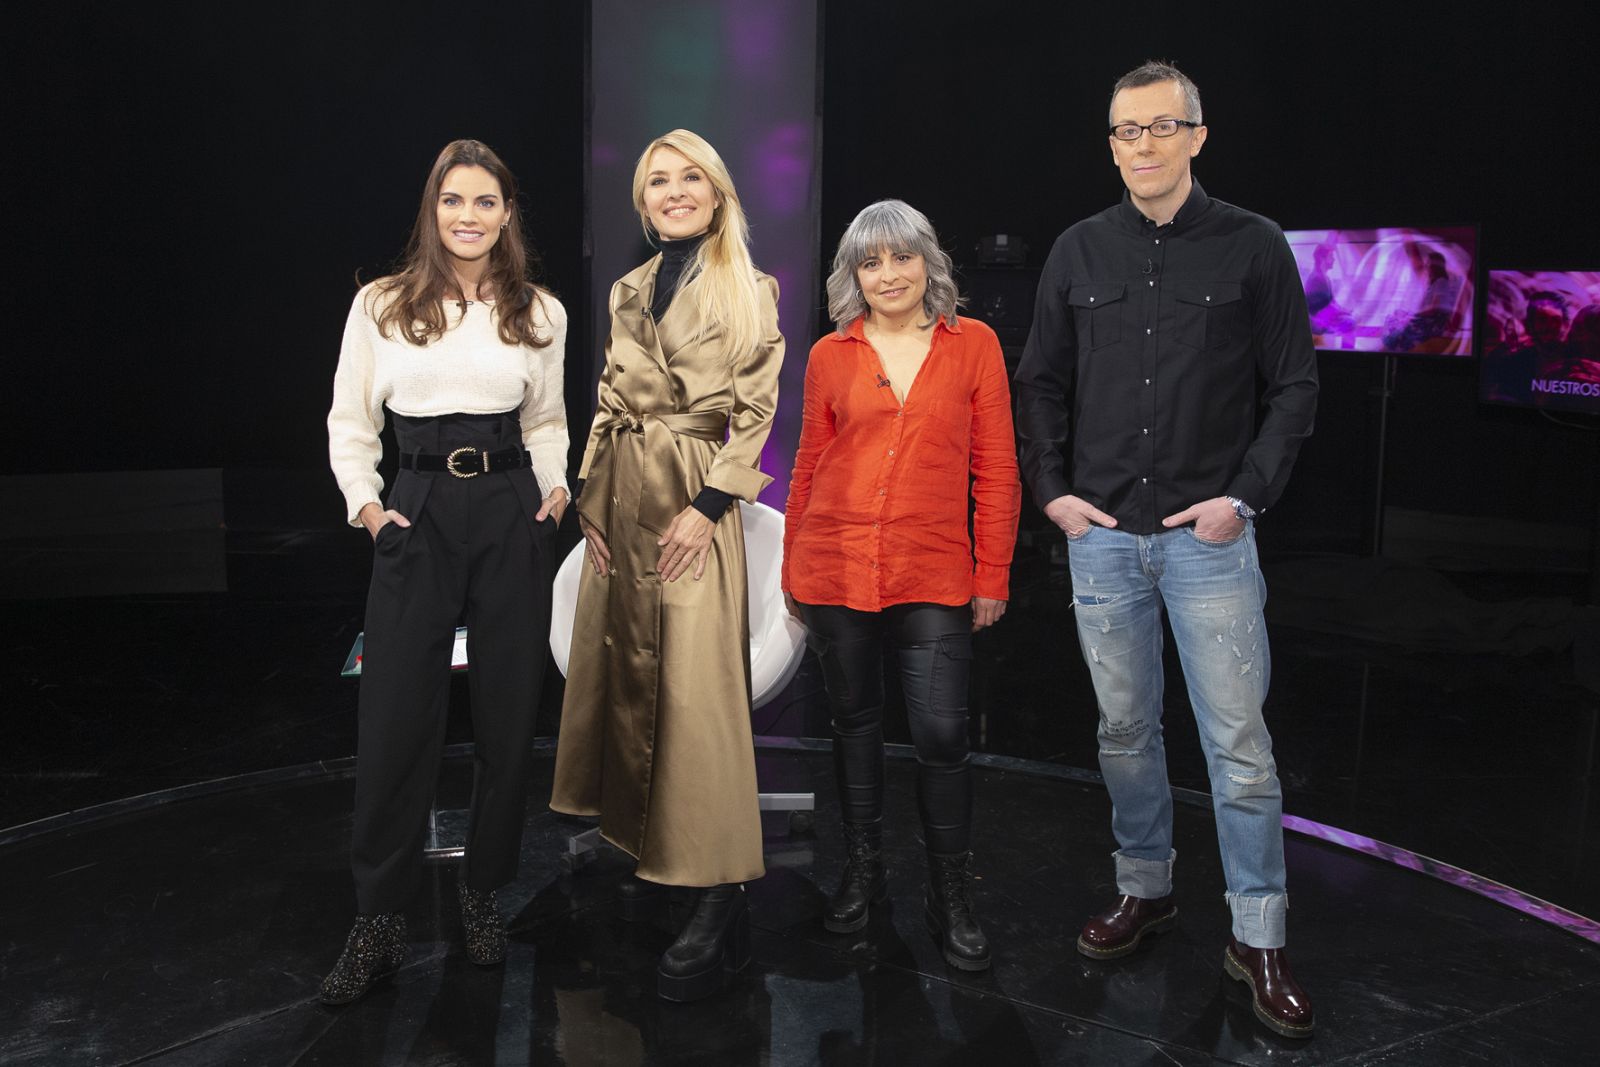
(472, 554)
(933, 645)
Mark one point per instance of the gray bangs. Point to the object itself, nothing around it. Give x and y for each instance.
(897, 226)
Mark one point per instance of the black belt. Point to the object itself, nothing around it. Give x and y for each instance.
(467, 462)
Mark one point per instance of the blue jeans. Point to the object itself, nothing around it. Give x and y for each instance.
(1213, 594)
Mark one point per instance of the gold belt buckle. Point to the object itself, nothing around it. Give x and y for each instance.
(450, 462)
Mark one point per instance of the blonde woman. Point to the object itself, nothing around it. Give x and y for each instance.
(655, 728)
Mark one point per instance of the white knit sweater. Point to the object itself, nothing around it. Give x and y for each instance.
(468, 370)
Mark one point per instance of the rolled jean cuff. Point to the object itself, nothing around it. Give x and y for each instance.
(1259, 922)
(1145, 879)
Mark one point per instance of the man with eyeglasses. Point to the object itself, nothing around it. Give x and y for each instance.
(1154, 321)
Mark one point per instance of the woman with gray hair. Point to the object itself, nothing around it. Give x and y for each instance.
(907, 423)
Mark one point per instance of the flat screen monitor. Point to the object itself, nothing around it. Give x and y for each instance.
(1404, 291)
(1541, 340)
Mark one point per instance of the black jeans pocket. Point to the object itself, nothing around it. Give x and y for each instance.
(950, 673)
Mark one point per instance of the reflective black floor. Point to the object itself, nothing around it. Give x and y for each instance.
(194, 932)
(1454, 714)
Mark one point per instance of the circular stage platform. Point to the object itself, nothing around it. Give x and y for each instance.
(193, 928)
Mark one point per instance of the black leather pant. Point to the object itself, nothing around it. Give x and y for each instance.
(933, 644)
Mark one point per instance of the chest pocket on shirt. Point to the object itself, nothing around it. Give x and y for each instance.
(945, 439)
(1209, 313)
(1097, 312)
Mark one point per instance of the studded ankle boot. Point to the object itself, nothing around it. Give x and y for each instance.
(949, 912)
(864, 881)
(374, 951)
(480, 920)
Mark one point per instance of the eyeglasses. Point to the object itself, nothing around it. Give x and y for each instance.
(1132, 131)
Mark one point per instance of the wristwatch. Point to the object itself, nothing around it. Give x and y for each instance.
(1241, 509)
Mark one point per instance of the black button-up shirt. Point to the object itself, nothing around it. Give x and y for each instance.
(1146, 349)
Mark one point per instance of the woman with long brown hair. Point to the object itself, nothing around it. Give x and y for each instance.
(655, 727)
(465, 351)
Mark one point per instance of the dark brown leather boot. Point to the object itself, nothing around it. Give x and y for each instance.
(1118, 931)
(1279, 1002)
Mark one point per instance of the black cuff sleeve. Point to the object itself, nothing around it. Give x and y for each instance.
(712, 503)
(577, 490)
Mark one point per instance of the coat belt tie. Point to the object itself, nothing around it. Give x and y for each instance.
(638, 475)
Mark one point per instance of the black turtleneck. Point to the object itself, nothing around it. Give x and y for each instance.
(675, 257)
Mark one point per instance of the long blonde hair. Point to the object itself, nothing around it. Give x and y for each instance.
(727, 294)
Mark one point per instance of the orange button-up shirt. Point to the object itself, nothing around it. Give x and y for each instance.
(878, 503)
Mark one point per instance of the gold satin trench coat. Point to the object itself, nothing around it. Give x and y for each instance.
(655, 728)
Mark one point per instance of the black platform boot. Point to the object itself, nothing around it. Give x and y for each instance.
(374, 951)
(485, 931)
(638, 899)
(715, 941)
(863, 883)
(949, 912)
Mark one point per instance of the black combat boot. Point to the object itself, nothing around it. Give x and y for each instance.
(863, 883)
(715, 941)
(375, 950)
(949, 912)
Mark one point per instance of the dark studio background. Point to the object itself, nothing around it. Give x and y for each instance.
(194, 189)
(208, 187)
(213, 180)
